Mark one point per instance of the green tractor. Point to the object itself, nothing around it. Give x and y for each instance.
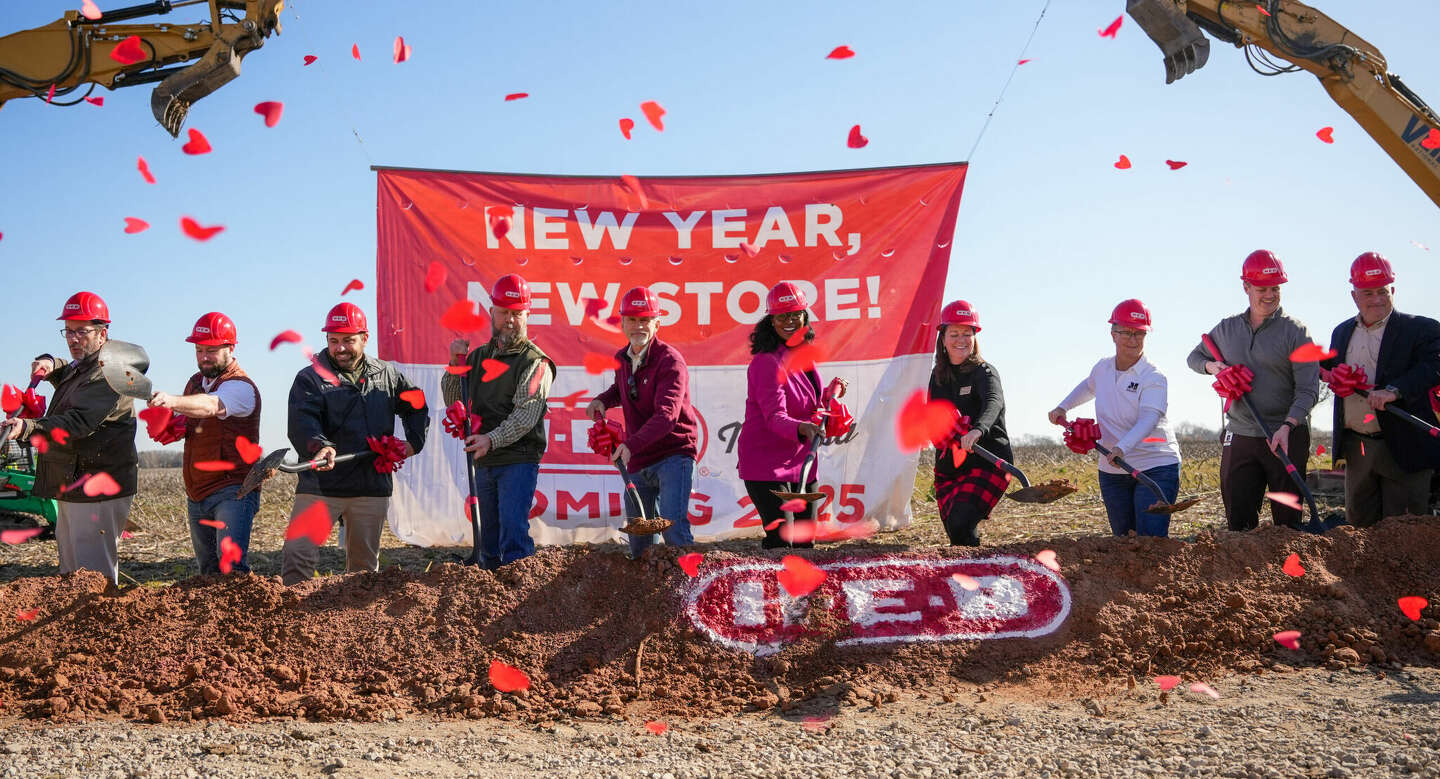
(18, 508)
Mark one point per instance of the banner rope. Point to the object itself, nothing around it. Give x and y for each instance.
(1000, 97)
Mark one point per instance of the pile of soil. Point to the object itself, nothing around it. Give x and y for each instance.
(581, 622)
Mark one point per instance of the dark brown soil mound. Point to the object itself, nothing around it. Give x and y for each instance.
(583, 622)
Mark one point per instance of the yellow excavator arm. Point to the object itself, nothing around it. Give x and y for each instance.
(75, 51)
(1349, 68)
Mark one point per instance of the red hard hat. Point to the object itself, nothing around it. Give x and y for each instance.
(85, 307)
(1263, 269)
(1131, 313)
(1370, 270)
(215, 329)
(345, 318)
(640, 301)
(784, 298)
(511, 291)
(960, 312)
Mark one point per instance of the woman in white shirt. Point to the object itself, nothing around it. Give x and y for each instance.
(1130, 403)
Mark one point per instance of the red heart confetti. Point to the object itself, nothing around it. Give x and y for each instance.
(1320, 449)
(89, 10)
(1022, 62)
(101, 483)
(310, 60)
(1326, 134)
(355, 50)
(493, 369)
(689, 563)
(214, 466)
(1109, 32)
(775, 524)
(464, 316)
(156, 419)
(249, 452)
(215, 523)
(435, 276)
(1292, 566)
(10, 398)
(597, 364)
(794, 504)
(499, 225)
(144, 168)
(415, 397)
(230, 553)
(271, 110)
(26, 616)
(1046, 557)
(507, 678)
(626, 125)
(968, 583)
(1410, 604)
(21, 536)
(516, 96)
(840, 53)
(573, 399)
(134, 225)
(653, 112)
(59, 434)
(1285, 499)
(1362, 447)
(1288, 638)
(98, 102)
(355, 284)
(816, 722)
(1367, 420)
(1261, 9)
(923, 421)
(1123, 163)
(1432, 140)
(1176, 164)
(198, 143)
(50, 96)
(749, 249)
(287, 337)
(41, 445)
(327, 375)
(129, 51)
(312, 523)
(457, 370)
(1205, 689)
(855, 140)
(800, 577)
(1155, 440)
(402, 49)
(656, 727)
(195, 230)
(1167, 682)
(1312, 352)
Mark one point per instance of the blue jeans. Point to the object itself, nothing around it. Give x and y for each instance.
(506, 493)
(222, 505)
(665, 489)
(1126, 500)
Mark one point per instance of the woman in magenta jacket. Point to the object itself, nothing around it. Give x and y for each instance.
(780, 408)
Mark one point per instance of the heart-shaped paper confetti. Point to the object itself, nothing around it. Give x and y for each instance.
(1311, 352)
(1288, 638)
(198, 143)
(1167, 682)
(435, 275)
(1114, 27)
(415, 397)
(1326, 134)
(1123, 163)
(799, 576)
(288, 336)
(507, 678)
(922, 421)
(249, 452)
(596, 364)
(197, 231)
(214, 466)
(101, 483)
(1285, 499)
(129, 51)
(1046, 557)
(271, 110)
(134, 225)
(516, 96)
(1412, 605)
(310, 60)
(689, 563)
(22, 535)
(313, 523)
(626, 125)
(1292, 566)
(1176, 164)
(855, 140)
(840, 53)
(653, 113)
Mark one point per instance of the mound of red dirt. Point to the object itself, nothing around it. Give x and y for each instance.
(598, 634)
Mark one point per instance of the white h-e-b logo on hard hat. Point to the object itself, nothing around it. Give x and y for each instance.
(787, 298)
(202, 329)
(339, 318)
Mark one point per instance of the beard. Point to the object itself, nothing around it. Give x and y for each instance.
(508, 338)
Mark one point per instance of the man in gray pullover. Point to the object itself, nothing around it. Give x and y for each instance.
(1262, 339)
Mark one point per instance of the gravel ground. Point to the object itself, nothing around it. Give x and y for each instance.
(1295, 723)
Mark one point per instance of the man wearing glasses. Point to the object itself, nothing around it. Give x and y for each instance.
(88, 431)
(511, 407)
(652, 388)
(1259, 341)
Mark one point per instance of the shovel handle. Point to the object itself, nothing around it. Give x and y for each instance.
(310, 465)
(1002, 464)
(1139, 476)
(1406, 415)
(630, 486)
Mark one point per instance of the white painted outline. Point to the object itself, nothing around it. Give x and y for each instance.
(700, 585)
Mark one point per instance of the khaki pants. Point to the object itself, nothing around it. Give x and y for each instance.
(1375, 485)
(86, 535)
(364, 519)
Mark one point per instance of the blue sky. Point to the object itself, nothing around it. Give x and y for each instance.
(1050, 235)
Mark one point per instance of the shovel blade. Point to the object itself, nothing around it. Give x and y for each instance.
(123, 366)
(1172, 508)
(262, 471)
(646, 526)
(1047, 492)
(808, 497)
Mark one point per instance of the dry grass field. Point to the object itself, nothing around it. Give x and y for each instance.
(160, 553)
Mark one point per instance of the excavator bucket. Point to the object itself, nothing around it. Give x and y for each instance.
(171, 100)
(1183, 44)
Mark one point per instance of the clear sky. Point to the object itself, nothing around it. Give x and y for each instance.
(1050, 235)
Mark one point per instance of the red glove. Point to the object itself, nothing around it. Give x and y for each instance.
(32, 405)
(173, 431)
(605, 437)
(389, 453)
(1346, 378)
(1232, 383)
(1082, 435)
(455, 424)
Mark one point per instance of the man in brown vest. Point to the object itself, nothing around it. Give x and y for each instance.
(221, 406)
(511, 407)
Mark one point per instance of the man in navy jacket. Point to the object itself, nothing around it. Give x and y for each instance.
(1388, 461)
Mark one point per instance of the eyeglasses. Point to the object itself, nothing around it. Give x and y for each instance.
(78, 333)
(1127, 333)
(789, 316)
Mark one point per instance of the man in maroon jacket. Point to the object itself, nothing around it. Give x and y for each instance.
(220, 406)
(652, 387)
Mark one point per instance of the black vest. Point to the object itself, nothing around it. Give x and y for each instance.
(494, 400)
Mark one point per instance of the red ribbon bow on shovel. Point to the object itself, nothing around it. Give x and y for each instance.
(605, 437)
(173, 431)
(389, 453)
(833, 416)
(455, 421)
(1345, 379)
(1082, 435)
(32, 405)
(1232, 383)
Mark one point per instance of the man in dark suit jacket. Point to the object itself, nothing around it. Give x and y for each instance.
(1388, 462)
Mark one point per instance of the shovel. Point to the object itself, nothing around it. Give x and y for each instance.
(1433, 431)
(271, 463)
(641, 525)
(1049, 492)
(787, 496)
(1161, 506)
(472, 505)
(1315, 526)
(123, 365)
